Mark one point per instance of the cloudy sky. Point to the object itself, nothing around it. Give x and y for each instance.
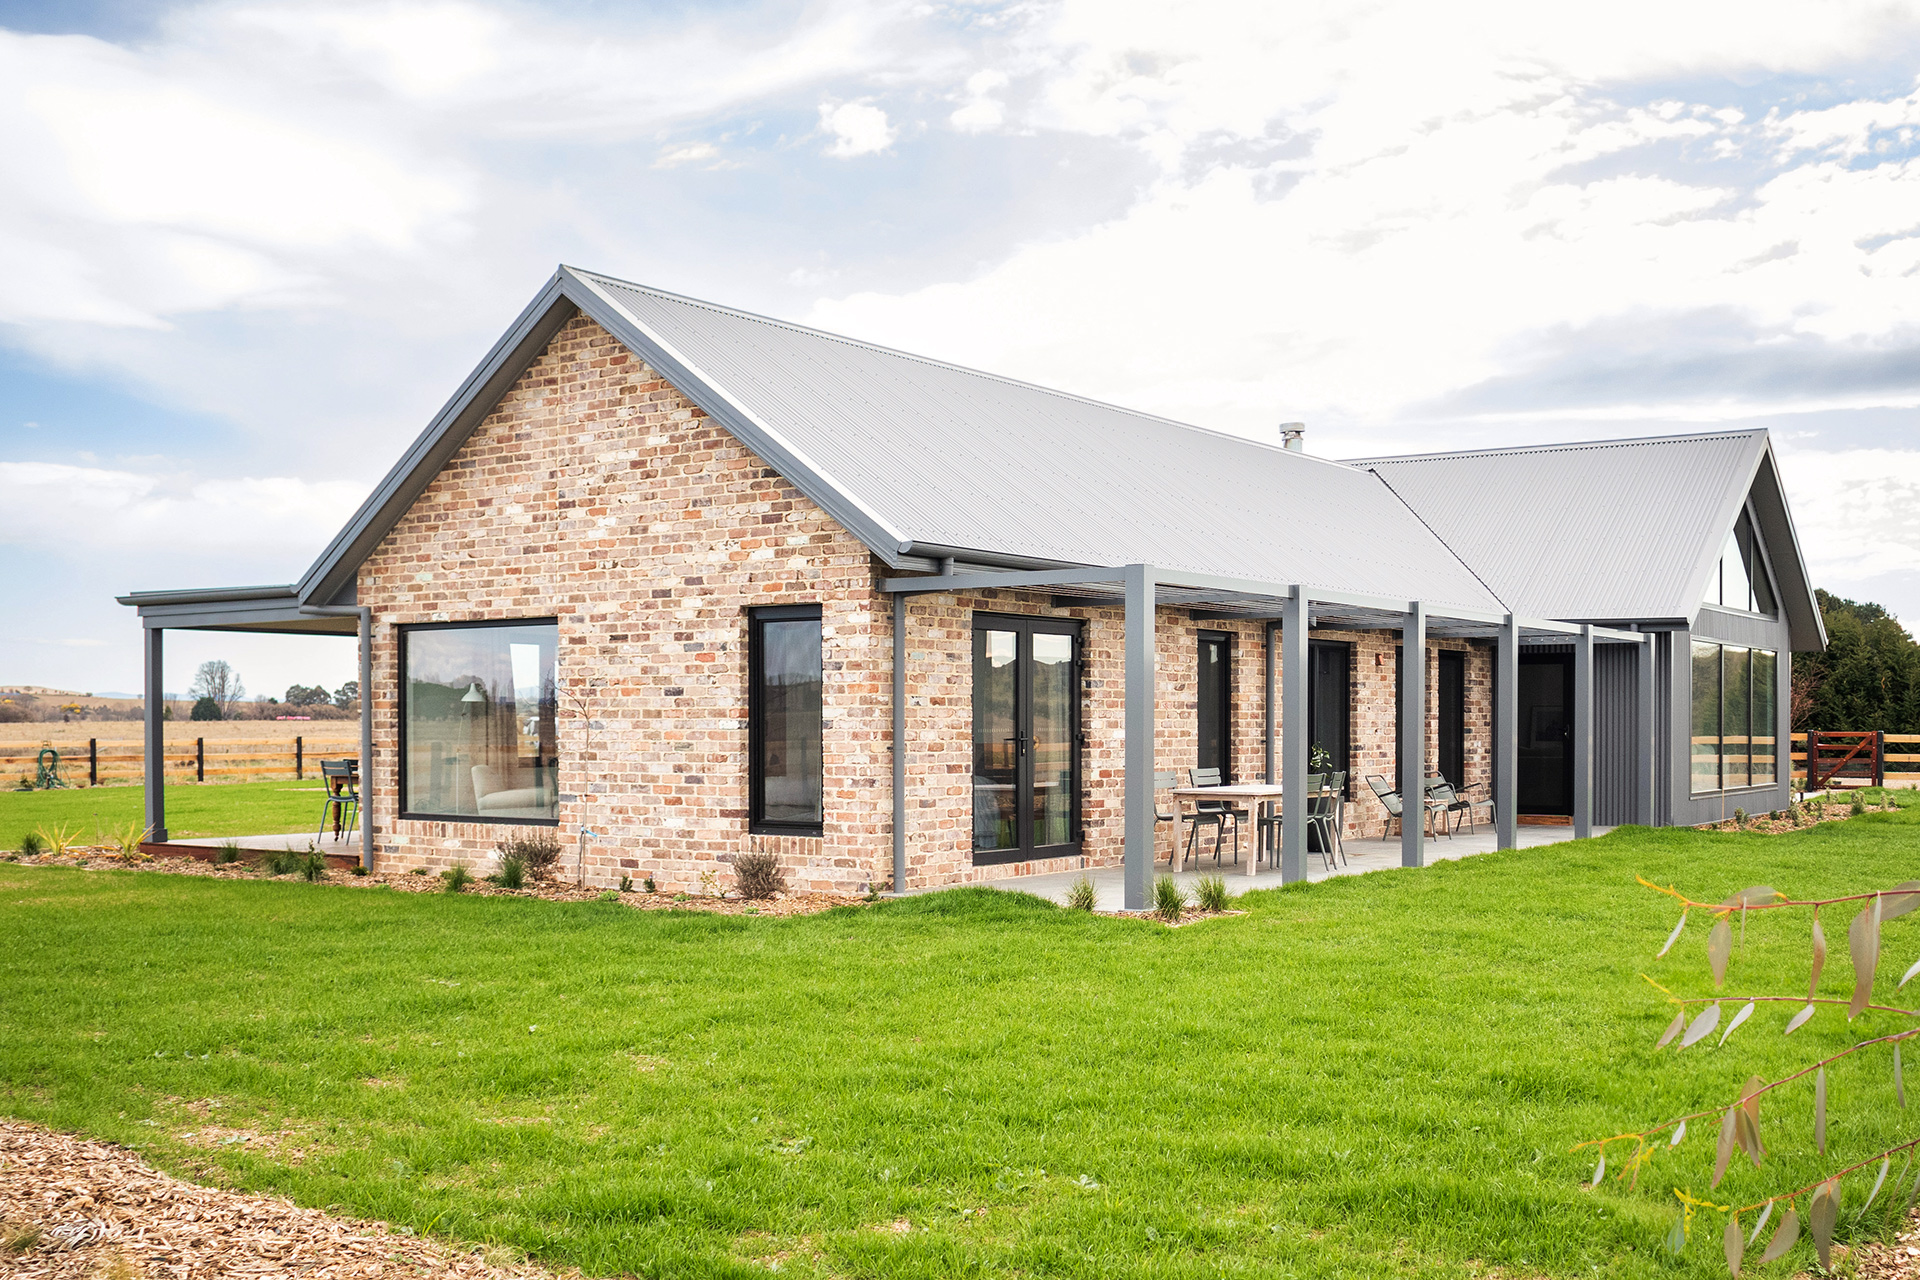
(247, 249)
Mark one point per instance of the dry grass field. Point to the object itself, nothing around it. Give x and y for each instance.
(235, 750)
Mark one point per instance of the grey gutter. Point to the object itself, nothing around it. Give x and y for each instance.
(365, 615)
(205, 595)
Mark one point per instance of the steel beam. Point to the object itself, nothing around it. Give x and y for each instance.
(156, 737)
(1583, 735)
(1293, 734)
(1412, 713)
(1506, 743)
(945, 583)
(1140, 821)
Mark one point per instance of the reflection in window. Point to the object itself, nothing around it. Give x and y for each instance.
(1740, 581)
(995, 745)
(785, 721)
(478, 714)
(1734, 718)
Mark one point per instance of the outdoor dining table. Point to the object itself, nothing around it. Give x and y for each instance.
(1262, 796)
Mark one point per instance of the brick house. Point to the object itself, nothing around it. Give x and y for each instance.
(673, 580)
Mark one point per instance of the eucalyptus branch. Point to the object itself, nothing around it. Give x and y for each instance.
(1728, 908)
(1888, 1154)
(1884, 1008)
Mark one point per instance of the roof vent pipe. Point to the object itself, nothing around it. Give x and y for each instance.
(1293, 436)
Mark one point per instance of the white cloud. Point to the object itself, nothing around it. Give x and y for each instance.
(858, 128)
(689, 154)
(1856, 510)
(983, 111)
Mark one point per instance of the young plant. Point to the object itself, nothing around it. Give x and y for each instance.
(129, 838)
(1210, 893)
(313, 867)
(1859, 805)
(1081, 897)
(457, 879)
(648, 883)
(229, 852)
(60, 837)
(513, 872)
(1169, 899)
(285, 862)
(710, 885)
(1697, 1017)
(626, 884)
(758, 875)
(537, 854)
(608, 895)
(32, 844)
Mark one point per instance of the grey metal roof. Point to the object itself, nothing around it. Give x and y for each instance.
(931, 455)
(1608, 530)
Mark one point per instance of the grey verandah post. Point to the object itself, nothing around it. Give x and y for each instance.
(1506, 748)
(1139, 775)
(156, 739)
(1645, 758)
(1583, 734)
(899, 743)
(1294, 624)
(1412, 713)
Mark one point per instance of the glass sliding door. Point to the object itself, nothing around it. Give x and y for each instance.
(1026, 738)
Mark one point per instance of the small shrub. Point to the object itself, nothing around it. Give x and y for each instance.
(359, 869)
(513, 872)
(59, 837)
(626, 884)
(758, 875)
(1740, 818)
(457, 879)
(608, 895)
(129, 838)
(1169, 899)
(1858, 807)
(228, 853)
(33, 844)
(710, 885)
(313, 867)
(1210, 892)
(285, 862)
(1081, 897)
(648, 882)
(536, 853)
(418, 871)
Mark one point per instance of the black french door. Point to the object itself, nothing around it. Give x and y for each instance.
(1545, 765)
(1214, 721)
(1026, 738)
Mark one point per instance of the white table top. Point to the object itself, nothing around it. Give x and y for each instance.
(1235, 791)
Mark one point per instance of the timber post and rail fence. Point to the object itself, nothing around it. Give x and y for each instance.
(197, 759)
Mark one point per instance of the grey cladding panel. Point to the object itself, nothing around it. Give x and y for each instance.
(1616, 732)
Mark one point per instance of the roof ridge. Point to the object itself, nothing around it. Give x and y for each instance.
(1568, 446)
(931, 362)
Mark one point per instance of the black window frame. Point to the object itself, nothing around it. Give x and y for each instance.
(406, 633)
(1322, 655)
(1225, 693)
(1450, 687)
(756, 780)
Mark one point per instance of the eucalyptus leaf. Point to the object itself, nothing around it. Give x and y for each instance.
(1819, 955)
(1673, 937)
(1822, 1213)
(1784, 1237)
(1729, 1129)
(1886, 1163)
(1761, 1225)
(1677, 1234)
(1703, 1025)
(1746, 1011)
(1747, 1134)
(1820, 1111)
(1863, 945)
(1679, 1132)
(1673, 1029)
(1719, 948)
(1600, 1170)
(1735, 1247)
(1907, 977)
(1799, 1019)
(1900, 899)
(1758, 894)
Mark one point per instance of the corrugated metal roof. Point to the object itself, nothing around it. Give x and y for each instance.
(1612, 529)
(947, 456)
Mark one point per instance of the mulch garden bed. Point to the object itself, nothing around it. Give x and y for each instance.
(1796, 817)
(74, 1208)
(554, 889)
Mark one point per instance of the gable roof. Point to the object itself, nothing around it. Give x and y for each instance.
(1610, 530)
(921, 459)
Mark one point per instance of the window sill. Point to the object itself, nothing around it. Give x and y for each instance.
(798, 833)
(479, 820)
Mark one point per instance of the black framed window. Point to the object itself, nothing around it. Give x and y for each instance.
(478, 722)
(1734, 717)
(1330, 706)
(1740, 579)
(786, 788)
(1214, 719)
(1452, 679)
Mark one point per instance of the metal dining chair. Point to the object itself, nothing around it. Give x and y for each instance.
(342, 781)
(1167, 780)
(1213, 813)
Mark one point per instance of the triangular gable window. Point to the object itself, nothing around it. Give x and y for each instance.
(1740, 580)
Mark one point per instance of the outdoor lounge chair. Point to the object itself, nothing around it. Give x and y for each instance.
(1391, 799)
(1460, 805)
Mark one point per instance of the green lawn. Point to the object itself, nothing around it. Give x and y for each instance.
(1379, 1075)
(209, 809)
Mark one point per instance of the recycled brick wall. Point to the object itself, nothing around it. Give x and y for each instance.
(595, 493)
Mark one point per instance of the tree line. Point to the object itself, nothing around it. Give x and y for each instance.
(1868, 678)
(218, 693)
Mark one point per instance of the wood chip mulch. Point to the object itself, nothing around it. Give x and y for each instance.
(1797, 818)
(793, 903)
(72, 1208)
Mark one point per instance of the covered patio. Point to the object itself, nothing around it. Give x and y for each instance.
(1291, 611)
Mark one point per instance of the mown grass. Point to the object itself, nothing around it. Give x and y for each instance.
(209, 809)
(1379, 1075)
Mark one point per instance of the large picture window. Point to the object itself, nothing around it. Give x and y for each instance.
(784, 721)
(1734, 713)
(477, 716)
(1740, 580)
